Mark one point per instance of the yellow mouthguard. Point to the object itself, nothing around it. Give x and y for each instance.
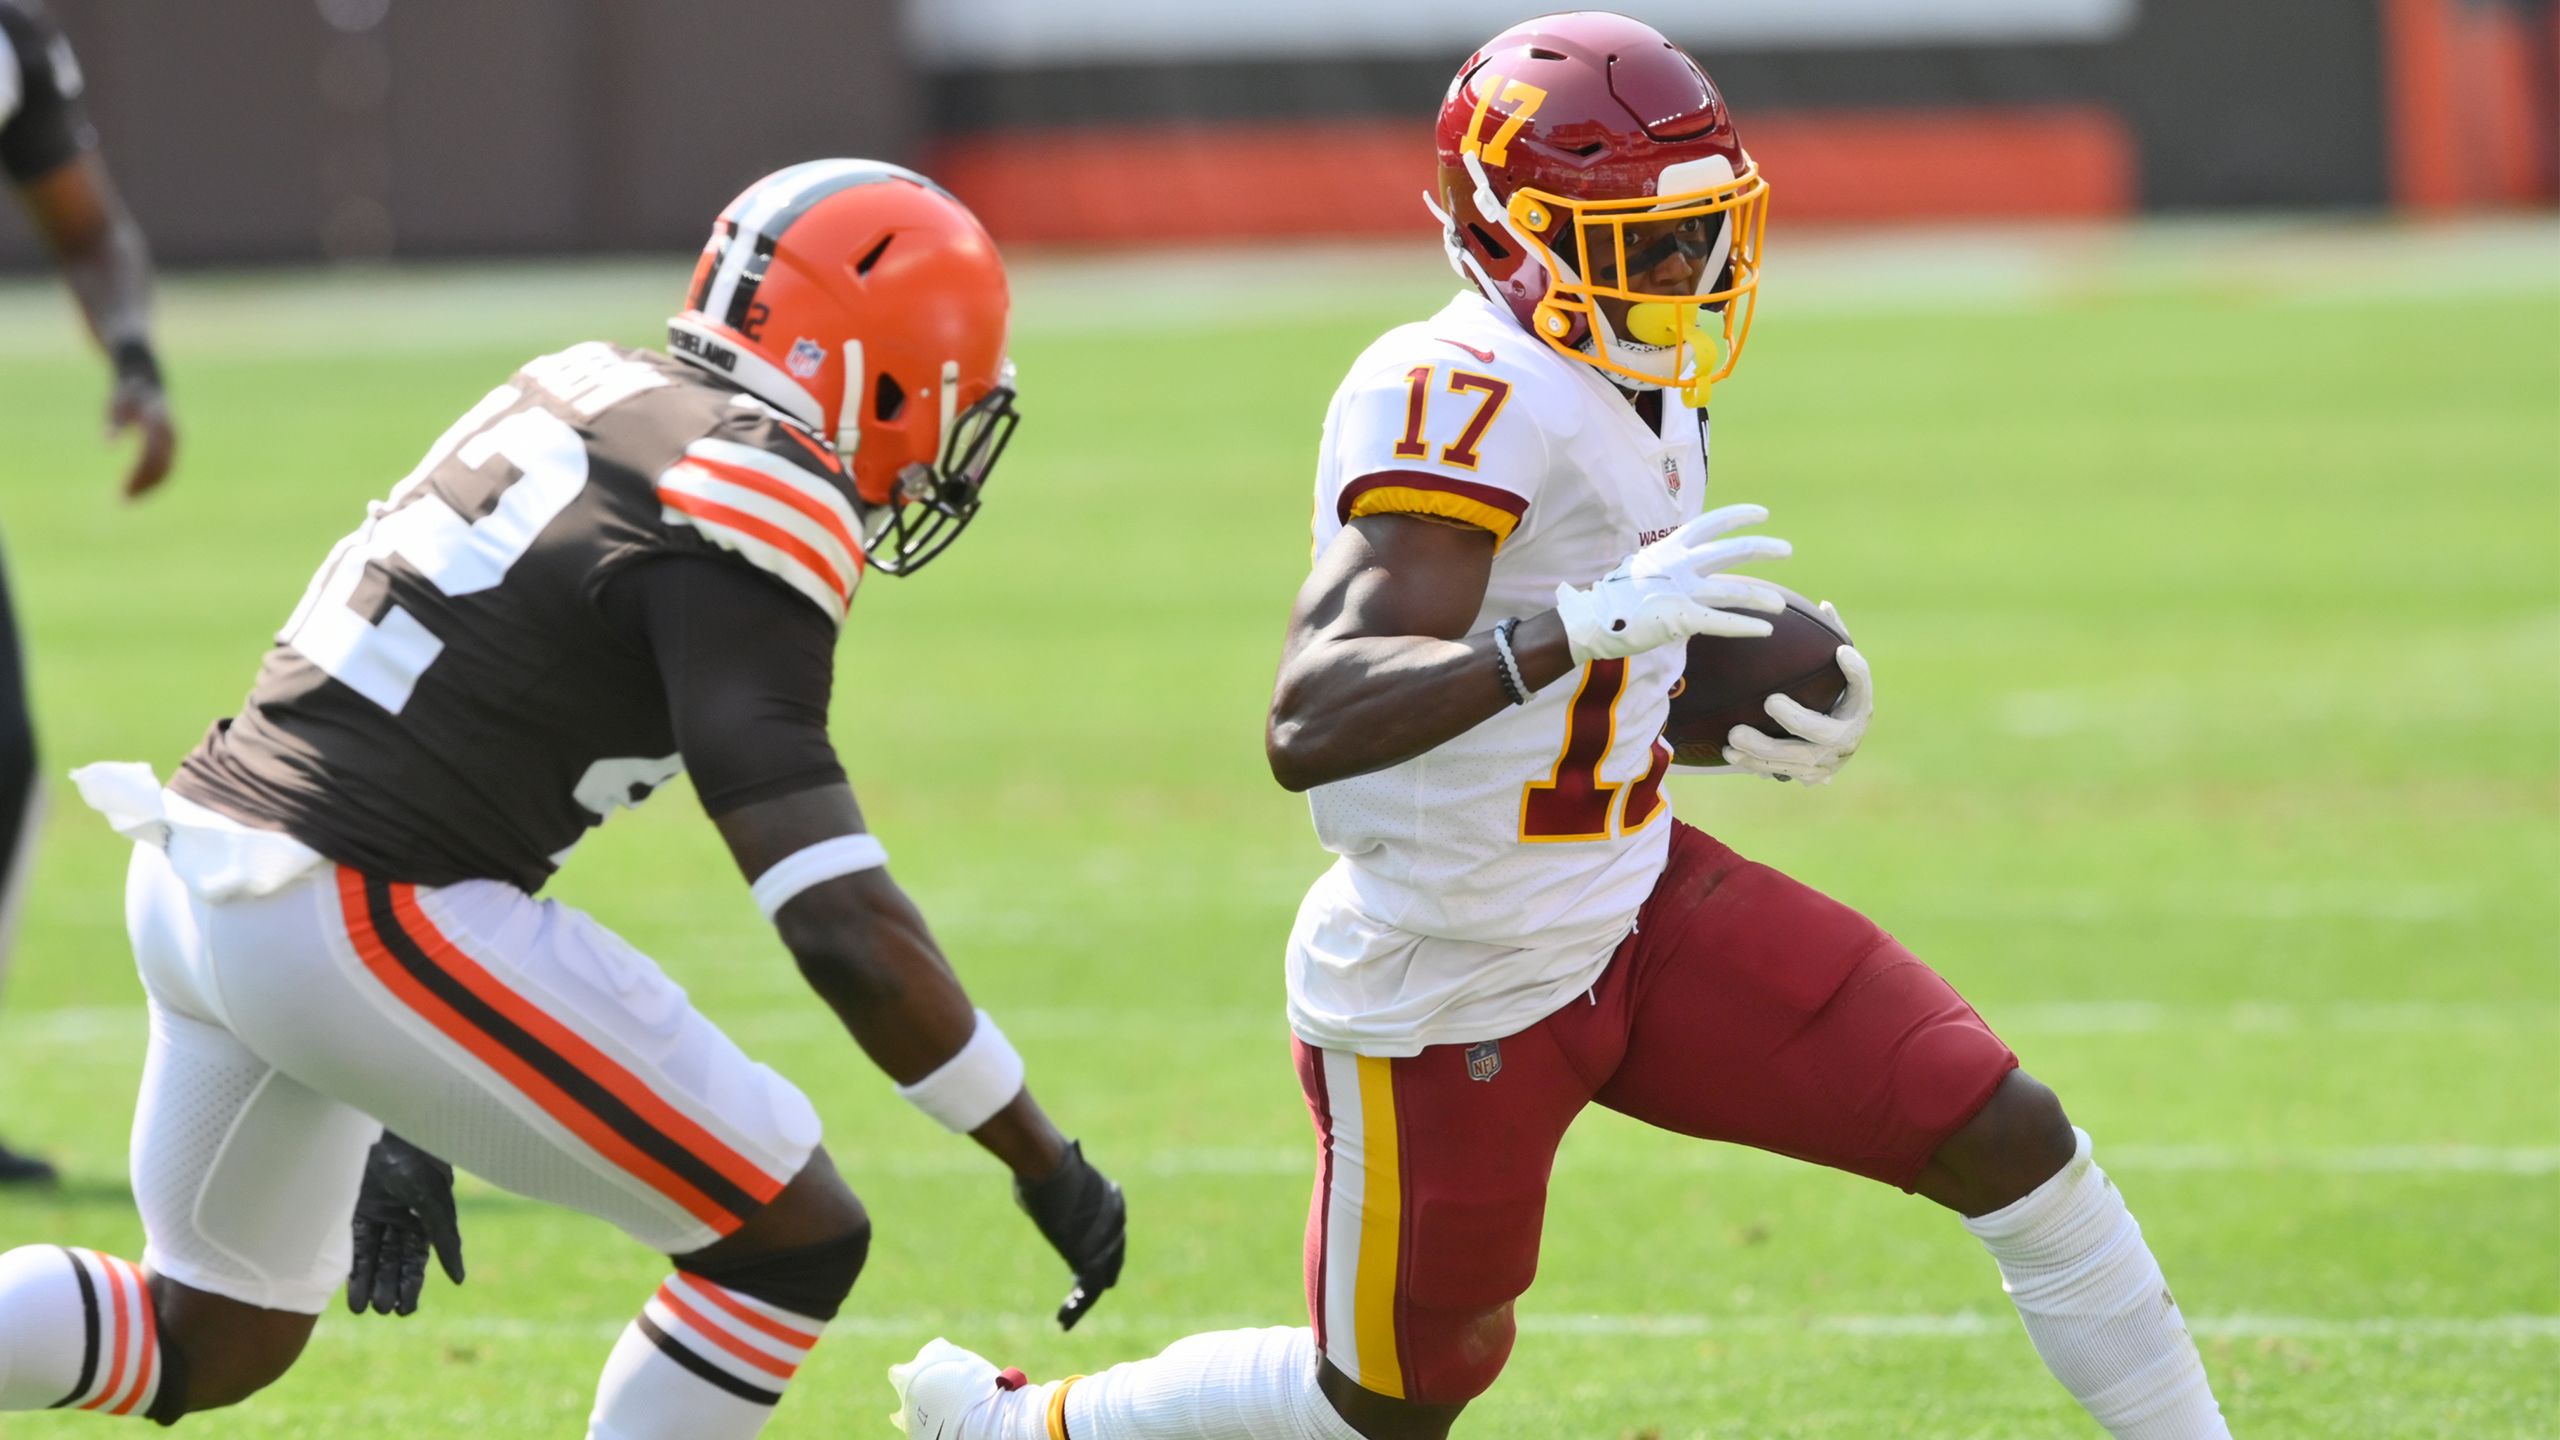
(1653, 322)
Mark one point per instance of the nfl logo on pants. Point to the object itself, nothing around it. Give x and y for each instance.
(1484, 1060)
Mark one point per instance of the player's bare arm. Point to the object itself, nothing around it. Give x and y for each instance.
(49, 151)
(748, 670)
(107, 264)
(864, 948)
(1378, 666)
(1374, 671)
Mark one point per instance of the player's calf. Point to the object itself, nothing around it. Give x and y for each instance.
(712, 1352)
(84, 1331)
(2017, 1141)
(221, 1351)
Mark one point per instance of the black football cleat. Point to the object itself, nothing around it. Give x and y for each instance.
(17, 1169)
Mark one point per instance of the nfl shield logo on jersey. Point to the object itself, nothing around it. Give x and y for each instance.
(1484, 1060)
(805, 357)
(1671, 474)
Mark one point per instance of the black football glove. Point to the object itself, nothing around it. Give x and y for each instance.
(404, 1210)
(1085, 1218)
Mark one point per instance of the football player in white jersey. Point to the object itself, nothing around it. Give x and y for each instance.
(1511, 557)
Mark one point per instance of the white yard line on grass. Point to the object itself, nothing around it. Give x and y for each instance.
(98, 1028)
(86, 1025)
(1953, 1325)
(1675, 1158)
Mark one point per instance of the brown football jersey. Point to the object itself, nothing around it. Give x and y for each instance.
(451, 700)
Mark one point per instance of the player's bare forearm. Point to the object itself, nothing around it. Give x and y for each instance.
(1349, 706)
(1379, 665)
(103, 255)
(864, 947)
(107, 264)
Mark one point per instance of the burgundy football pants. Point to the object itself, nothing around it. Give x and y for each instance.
(1745, 1007)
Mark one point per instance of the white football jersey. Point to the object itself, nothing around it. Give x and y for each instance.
(1485, 883)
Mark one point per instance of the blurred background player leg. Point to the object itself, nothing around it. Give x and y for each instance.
(48, 151)
(20, 799)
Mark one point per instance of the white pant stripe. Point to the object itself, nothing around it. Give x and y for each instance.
(1342, 1211)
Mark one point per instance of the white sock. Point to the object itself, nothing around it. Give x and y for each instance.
(77, 1332)
(1231, 1385)
(2072, 1258)
(702, 1362)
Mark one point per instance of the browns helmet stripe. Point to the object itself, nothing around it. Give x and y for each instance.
(758, 218)
(751, 275)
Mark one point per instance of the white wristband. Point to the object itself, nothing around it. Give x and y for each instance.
(817, 864)
(973, 1085)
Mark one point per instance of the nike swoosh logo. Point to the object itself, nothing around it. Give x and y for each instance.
(1484, 357)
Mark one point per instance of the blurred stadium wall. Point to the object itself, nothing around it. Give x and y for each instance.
(250, 130)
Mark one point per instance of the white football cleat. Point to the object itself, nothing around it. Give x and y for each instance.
(947, 1393)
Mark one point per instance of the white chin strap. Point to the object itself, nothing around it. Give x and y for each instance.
(1656, 367)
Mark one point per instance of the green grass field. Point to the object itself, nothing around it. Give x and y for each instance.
(2215, 608)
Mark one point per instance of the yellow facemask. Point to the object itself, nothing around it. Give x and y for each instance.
(1703, 331)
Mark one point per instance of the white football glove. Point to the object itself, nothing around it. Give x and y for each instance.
(1674, 588)
(1824, 743)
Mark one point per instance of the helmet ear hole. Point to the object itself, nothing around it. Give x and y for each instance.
(1492, 246)
(887, 399)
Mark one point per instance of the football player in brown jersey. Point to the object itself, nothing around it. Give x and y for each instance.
(619, 564)
(50, 154)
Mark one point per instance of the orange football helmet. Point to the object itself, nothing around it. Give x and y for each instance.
(865, 302)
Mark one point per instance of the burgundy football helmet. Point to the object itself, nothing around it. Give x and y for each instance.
(1591, 181)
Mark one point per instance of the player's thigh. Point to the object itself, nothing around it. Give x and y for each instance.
(1763, 1012)
(1430, 1194)
(523, 1041)
(244, 1176)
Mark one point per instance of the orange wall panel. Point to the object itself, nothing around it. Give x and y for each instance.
(1192, 183)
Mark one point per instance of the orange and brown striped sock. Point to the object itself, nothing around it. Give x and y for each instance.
(78, 1332)
(701, 1361)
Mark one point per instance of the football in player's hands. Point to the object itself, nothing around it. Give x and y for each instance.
(1730, 678)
